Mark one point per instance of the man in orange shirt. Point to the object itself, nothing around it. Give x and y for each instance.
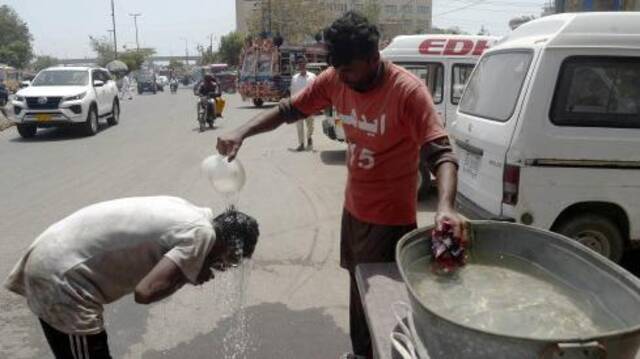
(389, 120)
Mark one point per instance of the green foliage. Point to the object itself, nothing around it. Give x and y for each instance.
(103, 49)
(134, 58)
(176, 65)
(15, 39)
(42, 62)
(372, 10)
(230, 47)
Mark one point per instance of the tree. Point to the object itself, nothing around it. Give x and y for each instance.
(295, 20)
(103, 49)
(42, 62)
(176, 65)
(231, 46)
(135, 58)
(207, 56)
(105, 54)
(15, 39)
(372, 10)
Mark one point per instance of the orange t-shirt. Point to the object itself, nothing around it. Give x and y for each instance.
(384, 129)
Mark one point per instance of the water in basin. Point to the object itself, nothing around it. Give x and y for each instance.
(507, 295)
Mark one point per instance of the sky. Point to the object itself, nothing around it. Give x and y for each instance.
(61, 28)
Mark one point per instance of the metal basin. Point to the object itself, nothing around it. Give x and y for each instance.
(617, 291)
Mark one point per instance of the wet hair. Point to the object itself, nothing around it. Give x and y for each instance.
(351, 37)
(208, 77)
(237, 231)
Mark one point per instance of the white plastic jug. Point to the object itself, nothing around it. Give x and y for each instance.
(226, 178)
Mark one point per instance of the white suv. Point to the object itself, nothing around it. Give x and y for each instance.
(63, 96)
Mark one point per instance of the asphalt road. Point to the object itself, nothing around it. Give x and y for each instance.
(296, 299)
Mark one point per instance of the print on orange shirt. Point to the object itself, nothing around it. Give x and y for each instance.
(384, 128)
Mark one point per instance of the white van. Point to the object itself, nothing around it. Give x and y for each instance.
(548, 130)
(444, 62)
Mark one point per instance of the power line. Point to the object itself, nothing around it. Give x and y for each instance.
(461, 7)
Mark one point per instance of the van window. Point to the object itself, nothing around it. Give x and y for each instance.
(494, 87)
(598, 92)
(432, 74)
(459, 76)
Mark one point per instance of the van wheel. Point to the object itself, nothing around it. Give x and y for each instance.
(596, 232)
(258, 102)
(90, 127)
(115, 114)
(27, 131)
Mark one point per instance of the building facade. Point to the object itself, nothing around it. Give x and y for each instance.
(596, 5)
(395, 17)
(244, 11)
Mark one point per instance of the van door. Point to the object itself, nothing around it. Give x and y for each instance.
(99, 91)
(432, 73)
(485, 123)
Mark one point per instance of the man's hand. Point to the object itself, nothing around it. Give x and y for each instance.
(451, 216)
(229, 144)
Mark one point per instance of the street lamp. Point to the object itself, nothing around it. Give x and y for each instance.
(135, 21)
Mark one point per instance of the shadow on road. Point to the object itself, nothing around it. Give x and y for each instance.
(274, 331)
(263, 107)
(59, 134)
(334, 158)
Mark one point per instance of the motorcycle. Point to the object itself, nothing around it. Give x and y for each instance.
(207, 111)
(173, 85)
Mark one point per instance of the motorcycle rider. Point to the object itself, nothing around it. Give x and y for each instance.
(209, 86)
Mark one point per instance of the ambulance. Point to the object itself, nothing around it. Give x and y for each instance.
(548, 130)
(443, 62)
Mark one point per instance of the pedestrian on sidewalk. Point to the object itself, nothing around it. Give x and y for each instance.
(149, 246)
(299, 82)
(389, 120)
(125, 91)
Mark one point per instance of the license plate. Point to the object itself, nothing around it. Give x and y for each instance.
(471, 164)
(43, 117)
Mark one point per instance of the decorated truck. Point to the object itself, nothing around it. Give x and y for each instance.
(266, 68)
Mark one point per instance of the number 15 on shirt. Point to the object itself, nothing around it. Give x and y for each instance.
(360, 157)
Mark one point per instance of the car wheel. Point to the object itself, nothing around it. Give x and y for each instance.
(258, 102)
(90, 126)
(27, 131)
(115, 114)
(596, 232)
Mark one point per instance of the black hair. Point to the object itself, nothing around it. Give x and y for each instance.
(351, 37)
(237, 231)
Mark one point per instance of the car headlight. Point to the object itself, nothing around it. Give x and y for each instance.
(76, 97)
(20, 98)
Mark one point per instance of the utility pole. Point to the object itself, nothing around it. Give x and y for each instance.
(135, 21)
(115, 39)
